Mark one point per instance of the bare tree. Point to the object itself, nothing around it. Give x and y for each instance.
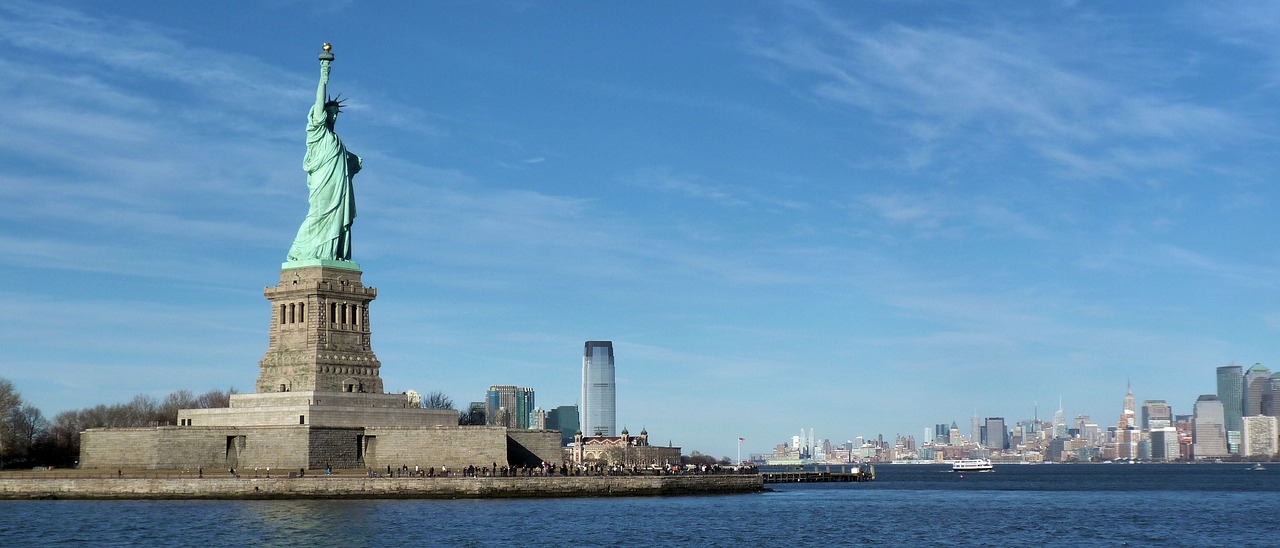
(167, 413)
(215, 398)
(436, 400)
(142, 410)
(8, 397)
(10, 402)
(23, 425)
(62, 438)
(697, 458)
(473, 416)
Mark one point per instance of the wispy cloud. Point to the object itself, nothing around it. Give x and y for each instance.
(105, 161)
(685, 185)
(937, 215)
(137, 49)
(995, 83)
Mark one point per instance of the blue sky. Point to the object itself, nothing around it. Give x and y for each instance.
(858, 217)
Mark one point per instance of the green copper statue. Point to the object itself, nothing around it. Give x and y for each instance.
(326, 232)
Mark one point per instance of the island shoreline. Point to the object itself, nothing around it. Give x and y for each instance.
(329, 487)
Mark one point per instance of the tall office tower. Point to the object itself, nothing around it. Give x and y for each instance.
(997, 433)
(1060, 422)
(975, 429)
(538, 419)
(1231, 394)
(1259, 436)
(524, 407)
(954, 434)
(1126, 435)
(1090, 433)
(1156, 414)
(1164, 444)
(1080, 421)
(1208, 434)
(1128, 415)
(508, 406)
(941, 434)
(1028, 430)
(564, 419)
(599, 393)
(476, 413)
(1257, 383)
(1271, 402)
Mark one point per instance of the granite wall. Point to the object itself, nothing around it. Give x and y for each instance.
(295, 447)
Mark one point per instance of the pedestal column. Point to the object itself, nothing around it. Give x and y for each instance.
(320, 333)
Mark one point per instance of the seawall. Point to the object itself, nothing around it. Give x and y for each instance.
(323, 487)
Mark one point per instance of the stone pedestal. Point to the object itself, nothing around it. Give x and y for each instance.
(319, 339)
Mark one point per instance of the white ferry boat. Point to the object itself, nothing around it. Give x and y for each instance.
(971, 465)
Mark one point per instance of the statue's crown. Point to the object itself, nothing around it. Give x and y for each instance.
(335, 102)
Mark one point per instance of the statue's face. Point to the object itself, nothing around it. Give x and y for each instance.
(331, 115)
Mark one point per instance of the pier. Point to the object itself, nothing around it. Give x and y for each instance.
(845, 474)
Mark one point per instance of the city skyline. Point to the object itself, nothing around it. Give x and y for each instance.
(1152, 430)
(859, 217)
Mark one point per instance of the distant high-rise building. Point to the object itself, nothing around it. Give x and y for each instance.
(1060, 422)
(1209, 439)
(941, 434)
(564, 419)
(1231, 394)
(538, 419)
(1031, 429)
(975, 428)
(1259, 438)
(1164, 444)
(1128, 417)
(476, 413)
(1257, 385)
(1271, 402)
(599, 393)
(1126, 428)
(509, 406)
(1090, 432)
(1080, 421)
(1156, 414)
(997, 434)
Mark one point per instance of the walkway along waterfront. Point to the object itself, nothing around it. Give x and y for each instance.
(320, 486)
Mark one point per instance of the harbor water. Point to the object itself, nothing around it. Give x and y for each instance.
(1071, 505)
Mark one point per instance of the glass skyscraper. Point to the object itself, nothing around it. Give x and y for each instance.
(598, 389)
(564, 419)
(1231, 394)
(1156, 414)
(1257, 384)
(1208, 438)
(997, 436)
(508, 406)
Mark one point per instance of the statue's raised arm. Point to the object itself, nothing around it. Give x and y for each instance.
(322, 91)
(325, 234)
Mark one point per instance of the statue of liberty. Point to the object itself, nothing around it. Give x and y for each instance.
(326, 232)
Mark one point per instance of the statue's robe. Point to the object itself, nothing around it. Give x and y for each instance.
(326, 232)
